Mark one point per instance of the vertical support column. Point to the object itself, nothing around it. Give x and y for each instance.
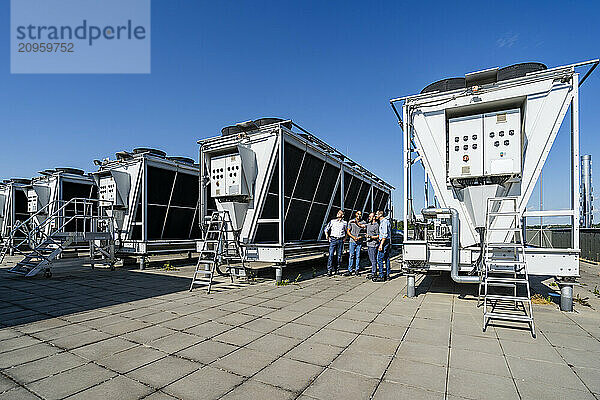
(278, 273)
(144, 188)
(142, 262)
(342, 194)
(281, 188)
(202, 188)
(410, 285)
(405, 169)
(92, 252)
(575, 177)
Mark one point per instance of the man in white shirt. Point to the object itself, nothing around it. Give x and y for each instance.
(335, 232)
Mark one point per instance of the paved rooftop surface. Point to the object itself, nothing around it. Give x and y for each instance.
(126, 334)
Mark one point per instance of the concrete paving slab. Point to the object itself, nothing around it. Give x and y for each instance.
(314, 353)
(208, 329)
(238, 336)
(207, 351)
(374, 344)
(480, 362)
(19, 393)
(207, 383)
(535, 391)
(540, 350)
(393, 391)
(253, 389)
(417, 374)
(118, 388)
(146, 335)
(289, 374)
(245, 362)
(162, 372)
(273, 344)
(590, 377)
(175, 342)
(39, 369)
(27, 354)
(104, 348)
(368, 364)
(296, 331)
(424, 353)
(71, 381)
(334, 384)
(560, 375)
(130, 359)
(475, 385)
(334, 337)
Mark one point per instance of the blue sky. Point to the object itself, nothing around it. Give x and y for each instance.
(330, 66)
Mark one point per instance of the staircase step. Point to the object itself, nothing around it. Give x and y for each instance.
(508, 317)
(500, 297)
(501, 244)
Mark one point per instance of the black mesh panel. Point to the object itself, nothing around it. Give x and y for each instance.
(155, 220)
(178, 223)
(308, 178)
(185, 192)
(160, 183)
(295, 219)
(267, 233)
(314, 222)
(292, 159)
(328, 180)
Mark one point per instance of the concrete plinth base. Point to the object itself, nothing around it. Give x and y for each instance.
(410, 285)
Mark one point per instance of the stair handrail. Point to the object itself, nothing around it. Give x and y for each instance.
(58, 214)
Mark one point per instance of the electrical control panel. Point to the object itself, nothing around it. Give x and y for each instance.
(485, 144)
(503, 148)
(32, 201)
(107, 189)
(226, 176)
(465, 147)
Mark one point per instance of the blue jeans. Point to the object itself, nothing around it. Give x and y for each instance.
(354, 255)
(373, 258)
(335, 245)
(384, 256)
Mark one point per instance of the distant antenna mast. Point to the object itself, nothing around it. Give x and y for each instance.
(587, 197)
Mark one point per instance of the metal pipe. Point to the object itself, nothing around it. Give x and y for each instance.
(455, 260)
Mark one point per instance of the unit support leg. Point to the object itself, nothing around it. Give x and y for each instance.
(142, 261)
(410, 285)
(92, 253)
(566, 296)
(278, 273)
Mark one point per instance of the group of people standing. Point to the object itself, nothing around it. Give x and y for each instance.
(376, 233)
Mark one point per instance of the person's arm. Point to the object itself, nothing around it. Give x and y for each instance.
(327, 227)
(349, 233)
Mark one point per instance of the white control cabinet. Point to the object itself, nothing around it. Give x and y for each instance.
(226, 176)
(503, 146)
(107, 189)
(465, 147)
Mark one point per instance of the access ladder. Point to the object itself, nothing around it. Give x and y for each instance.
(220, 246)
(504, 266)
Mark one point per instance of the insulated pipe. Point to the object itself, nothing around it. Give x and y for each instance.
(434, 212)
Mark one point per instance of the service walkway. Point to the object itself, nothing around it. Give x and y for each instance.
(126, 335)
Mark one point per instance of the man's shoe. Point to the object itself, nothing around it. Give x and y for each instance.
(329, 273)
(384, 278)
(348, 273)
(375, 278)
(356, 273)
(369, 276)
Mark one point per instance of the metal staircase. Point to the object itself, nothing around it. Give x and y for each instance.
(221, 246)
(60, 225)
(504, 267)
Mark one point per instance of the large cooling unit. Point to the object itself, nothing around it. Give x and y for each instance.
(13, 204)
(280, 185)
(481, 139)
(155, 200)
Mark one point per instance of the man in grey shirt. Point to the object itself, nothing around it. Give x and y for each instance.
(372, 242)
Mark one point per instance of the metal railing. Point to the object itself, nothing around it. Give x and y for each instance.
(76, 216)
